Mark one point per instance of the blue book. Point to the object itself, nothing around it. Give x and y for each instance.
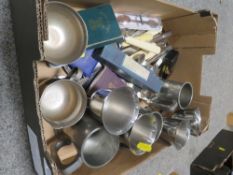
(102, 26)
(128, 68)
(87, 64)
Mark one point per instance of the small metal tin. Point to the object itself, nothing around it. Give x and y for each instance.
(67, 34)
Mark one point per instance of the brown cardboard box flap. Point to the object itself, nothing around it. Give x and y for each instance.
(49, 134)
(192, 24)
(190, 62)
(230, 119)
(193, 31)
(146, 7)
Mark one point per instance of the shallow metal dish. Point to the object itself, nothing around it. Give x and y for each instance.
(67, 34)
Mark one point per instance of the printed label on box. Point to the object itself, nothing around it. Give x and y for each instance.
(136, 68)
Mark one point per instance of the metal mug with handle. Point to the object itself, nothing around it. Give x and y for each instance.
(145, 131)
(117, 109)
(96, 147)
(173, 95)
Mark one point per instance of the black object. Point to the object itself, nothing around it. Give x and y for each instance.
(216, 158)
(167, 66)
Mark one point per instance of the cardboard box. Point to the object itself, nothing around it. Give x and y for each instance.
(194, 35)
(216, 158)
(229, 120)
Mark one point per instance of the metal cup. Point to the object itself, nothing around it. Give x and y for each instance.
(67, 34)
(174, 92)
(117, 109)
(165, 104)
(176, 132)
(145, 131)
(193, 116)
(95, 145)
(63, 103)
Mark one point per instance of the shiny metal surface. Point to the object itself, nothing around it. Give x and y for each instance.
(165, 104)
(96, 146)
(146, 130)
(193, 116)
(162, 37)
(176, 132)
(97, 101)
(63, 103)
(196, 122)
(182, 93)
(118, 109)
(67, 34)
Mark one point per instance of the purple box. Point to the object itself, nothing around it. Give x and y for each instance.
(106, 79)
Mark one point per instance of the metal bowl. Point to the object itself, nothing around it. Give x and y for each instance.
(67, 34)
(146, 130)
(63, 103)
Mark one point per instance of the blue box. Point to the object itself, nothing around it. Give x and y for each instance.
(128, 68)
